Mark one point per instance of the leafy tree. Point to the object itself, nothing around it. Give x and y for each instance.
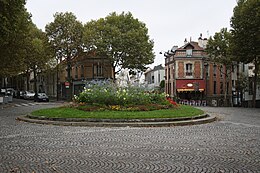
(14, 21)
(65, 36)
(122, 39)
(218, 49)
(241, 85)
(37, 53)
(162, 86)
(245, 31)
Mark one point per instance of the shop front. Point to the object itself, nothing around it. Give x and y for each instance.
(190, 91)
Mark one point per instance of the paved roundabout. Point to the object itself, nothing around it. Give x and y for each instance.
(229, 145)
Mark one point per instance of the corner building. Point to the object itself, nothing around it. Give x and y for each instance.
(190, 78)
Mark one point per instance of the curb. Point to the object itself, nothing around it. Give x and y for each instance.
(166, 122)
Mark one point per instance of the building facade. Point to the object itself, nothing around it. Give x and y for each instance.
(154, 77)
(191, 78)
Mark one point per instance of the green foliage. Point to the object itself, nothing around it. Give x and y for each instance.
(242, 82)
(162, 85)
(218, 47)
(245, 30)
(245, 40)
(65, 34)
(37, 49)
(110, 94)
(121, 38)
(14, 27)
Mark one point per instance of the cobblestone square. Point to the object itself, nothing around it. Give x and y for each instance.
(229, 145)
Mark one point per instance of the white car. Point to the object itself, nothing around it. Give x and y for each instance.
(42, 97)
(28, 95)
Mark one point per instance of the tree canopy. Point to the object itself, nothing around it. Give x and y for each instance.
(65, 36)
(218, 47)
(14, 27)
(122, 39)
(245, 31)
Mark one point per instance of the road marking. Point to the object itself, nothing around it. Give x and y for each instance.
(17, 105)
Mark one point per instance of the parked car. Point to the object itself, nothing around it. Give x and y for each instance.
(20, 94)
(41, 97)
(28, 95)
(10, 91)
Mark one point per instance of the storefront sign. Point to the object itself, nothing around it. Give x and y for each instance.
(67, 85)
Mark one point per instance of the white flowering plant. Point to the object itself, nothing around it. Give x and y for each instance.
(108, 93)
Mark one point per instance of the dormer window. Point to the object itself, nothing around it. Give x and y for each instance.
(189, 52)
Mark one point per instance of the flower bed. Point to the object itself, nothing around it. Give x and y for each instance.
(107, 96)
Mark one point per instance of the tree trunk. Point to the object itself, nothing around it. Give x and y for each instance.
(57, 82)
(27, 80)
(255, 83)
(69, 93)
(35, 84)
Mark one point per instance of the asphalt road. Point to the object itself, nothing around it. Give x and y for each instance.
(229, 145)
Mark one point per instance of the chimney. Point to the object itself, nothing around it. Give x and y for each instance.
(185, 41)
(205, 42)
(200, 41)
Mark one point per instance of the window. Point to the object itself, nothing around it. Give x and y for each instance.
(152, 79)
(98, 70)
(250, 67)
(227, 87)
(215, 87)
(189, 52)
(233, 83)
(169, 73)
(159, 77)
(221, 88)
(76, 72)
(215, 70)
(189, 69)
(207, 70)
(250, 86)
(221, 71)
(82, 71)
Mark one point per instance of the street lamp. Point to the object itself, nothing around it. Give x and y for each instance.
(206, 66)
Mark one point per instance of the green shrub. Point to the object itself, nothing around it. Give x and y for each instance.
(107, 93)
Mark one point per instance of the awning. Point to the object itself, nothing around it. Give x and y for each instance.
(190, 85)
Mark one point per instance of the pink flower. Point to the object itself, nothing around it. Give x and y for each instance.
(172, 102)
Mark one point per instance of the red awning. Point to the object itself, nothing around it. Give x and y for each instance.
(190, 85)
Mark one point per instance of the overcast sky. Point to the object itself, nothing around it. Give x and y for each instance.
(169, 22)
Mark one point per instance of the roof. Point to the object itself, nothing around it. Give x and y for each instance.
(193, 44)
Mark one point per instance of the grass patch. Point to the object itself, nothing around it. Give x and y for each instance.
(67, 112)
